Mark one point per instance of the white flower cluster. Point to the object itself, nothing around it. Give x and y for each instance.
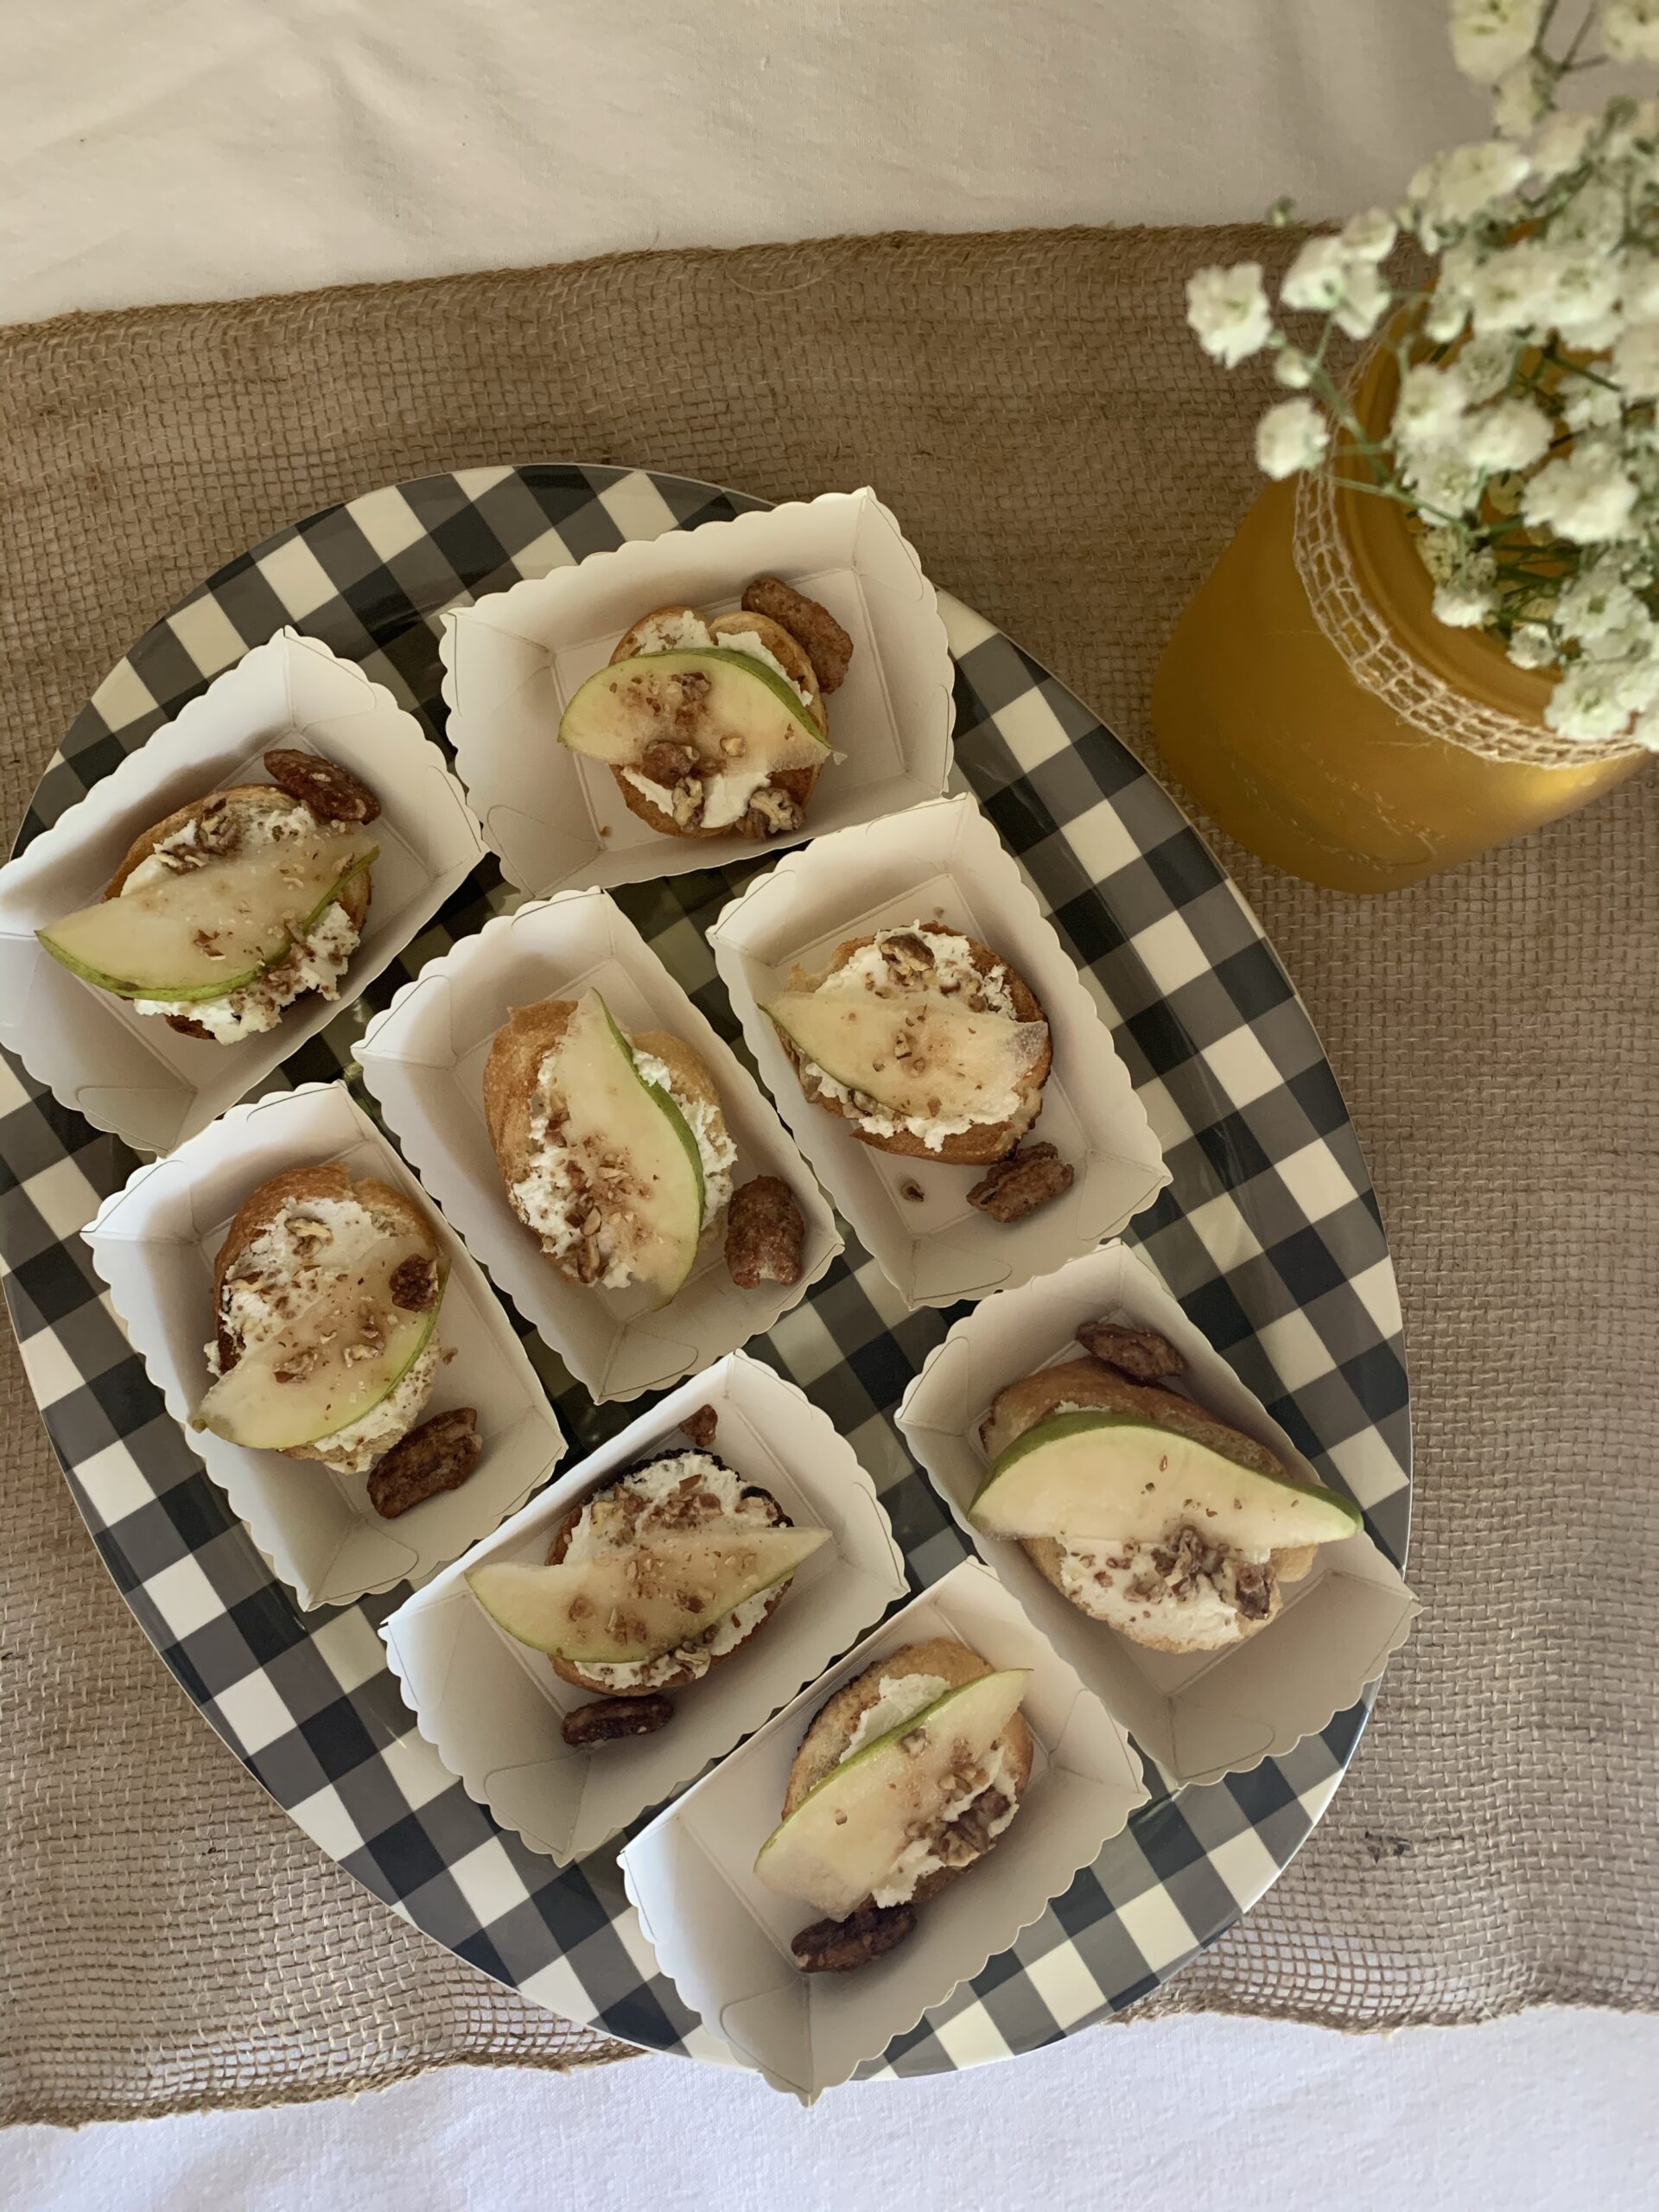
(1525, 432)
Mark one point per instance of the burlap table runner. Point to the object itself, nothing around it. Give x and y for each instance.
(1068, 464)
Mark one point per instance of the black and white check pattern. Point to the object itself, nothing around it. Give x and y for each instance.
(1269, 1234)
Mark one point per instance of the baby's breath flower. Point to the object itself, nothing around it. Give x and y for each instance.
(1591, 404)
(1512, 435)
(1430, 405)
(1291, 436)
(1638, 289)
(1515, 287)
(1319, 275)
(1370, 237)
(1445, 479)
(1629, 30)
(1532, 646)
(1561, 143)
(1293, 368)
(1228, 308)
(1464, 182)
(1598, 601)
(1489, 35)
(1464, 606)
(1484, 367)
(1590, 703)
(1636, 360)
(1585, 496)
(1360, 309)
(1519, 98)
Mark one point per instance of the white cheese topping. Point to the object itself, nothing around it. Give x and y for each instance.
(660, 1485)
(1187, 1597)
(900, 1698)
(547, 1198)
(287, 1265)
(686, 632)
(316, 963)
(954, 977)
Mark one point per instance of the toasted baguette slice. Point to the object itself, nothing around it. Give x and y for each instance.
(262, 1210)
(975, 1147)
(1090, 1382)
(513, 1072)
(835, 1725)
(241, 803)
(681, 1676)
(795, 783)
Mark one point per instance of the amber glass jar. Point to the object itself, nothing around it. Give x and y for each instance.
(1312, 705)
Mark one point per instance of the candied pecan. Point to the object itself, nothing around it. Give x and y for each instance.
(838, 1946)
(828, 645)
(608, 1718)
(666, 763)
(1252, 1590)
(1027, 1178)
(766, 1233)
(414, 1285)
(438, 1455)
(323, 785)
(700, 1426)
(1141, 1354)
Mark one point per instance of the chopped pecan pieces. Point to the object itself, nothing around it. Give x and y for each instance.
(838, 1946)
(438, 1455)
(666, 763)
(828, 645)
(700, 1426)
(1027, 1178)
(1141, 1354)
(323, 785)
(414, 1285)
(609, 1718)
(186, 1028)
(766, 1233)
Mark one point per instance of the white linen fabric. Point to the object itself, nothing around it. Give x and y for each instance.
(209, 148)
(1549, 2110)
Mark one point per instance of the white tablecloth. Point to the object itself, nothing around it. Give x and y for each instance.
(193, 148)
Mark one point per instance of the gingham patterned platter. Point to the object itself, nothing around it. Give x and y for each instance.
(1270, 1236)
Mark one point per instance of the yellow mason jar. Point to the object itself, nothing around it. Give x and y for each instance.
(1312, 705)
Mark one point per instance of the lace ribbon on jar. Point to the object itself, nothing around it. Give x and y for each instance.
(1380, 660)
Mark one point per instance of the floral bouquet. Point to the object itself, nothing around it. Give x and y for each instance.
(1525, 435)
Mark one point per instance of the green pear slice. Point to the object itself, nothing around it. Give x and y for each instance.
(214, 929)
(611, 1109)
(696, 697)
(917, 1055)
(1106, 1476)
(343, 1349)
(845, 1837)
(622, 1608)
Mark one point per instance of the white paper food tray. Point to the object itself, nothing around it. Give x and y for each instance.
(491, 1708)
(130, 1073)
(423, 1060)
(1199, 1714)
(155, 1241)
(723, 1937)
(514, 660)
(942, 863)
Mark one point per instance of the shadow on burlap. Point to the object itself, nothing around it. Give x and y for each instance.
(1068, 463)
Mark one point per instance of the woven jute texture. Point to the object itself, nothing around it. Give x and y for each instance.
(1068, 463)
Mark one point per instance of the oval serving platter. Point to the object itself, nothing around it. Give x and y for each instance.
(1285, 1268)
